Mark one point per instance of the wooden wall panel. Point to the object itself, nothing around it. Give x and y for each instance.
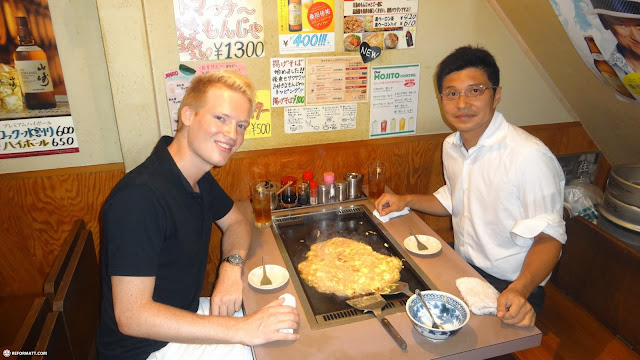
(38, 208)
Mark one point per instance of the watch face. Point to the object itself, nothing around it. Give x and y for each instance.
(234, 259)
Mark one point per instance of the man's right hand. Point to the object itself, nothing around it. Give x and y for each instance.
(264, 325)
(390, 202)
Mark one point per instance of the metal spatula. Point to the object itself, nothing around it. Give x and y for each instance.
(419, 244)
(265, 281)
(375, 303)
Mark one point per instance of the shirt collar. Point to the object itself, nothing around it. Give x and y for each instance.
(495, 133)
(616, 58)
(168, 165)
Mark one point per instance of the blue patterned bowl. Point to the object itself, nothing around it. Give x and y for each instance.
(449, 311)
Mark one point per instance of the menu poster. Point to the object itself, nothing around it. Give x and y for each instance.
(336, 80)
(37, 136)
(394, 100)
(219, 29)
(319, 118)
(287, 82)
(387, 24)
(260, 125)
(306, 26)
(177, 82)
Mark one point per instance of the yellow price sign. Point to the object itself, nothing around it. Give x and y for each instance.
(261, 120)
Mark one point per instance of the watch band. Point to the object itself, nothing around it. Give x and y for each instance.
(234, 259)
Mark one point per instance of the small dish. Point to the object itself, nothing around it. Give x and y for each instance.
(278, 275)
(432, 243)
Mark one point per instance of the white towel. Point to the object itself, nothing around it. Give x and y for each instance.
(391, 215)
(480, 296)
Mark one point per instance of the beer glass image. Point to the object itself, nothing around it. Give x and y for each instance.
(261, 203)
(377, 176)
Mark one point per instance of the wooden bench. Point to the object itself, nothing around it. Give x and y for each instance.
(54, 339)
(591, 309)
(60, 263)
(78, 298)
(27, 336)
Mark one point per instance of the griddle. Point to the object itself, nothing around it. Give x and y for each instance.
(295, 233)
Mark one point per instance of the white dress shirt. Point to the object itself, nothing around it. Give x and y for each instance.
(501, 194)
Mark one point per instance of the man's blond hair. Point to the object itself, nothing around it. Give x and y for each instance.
(200, 85)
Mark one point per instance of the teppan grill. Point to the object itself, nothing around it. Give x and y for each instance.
(295, 231)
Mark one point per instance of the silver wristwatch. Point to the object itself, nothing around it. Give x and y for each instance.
(234, 259)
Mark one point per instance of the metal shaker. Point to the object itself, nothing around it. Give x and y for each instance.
(324, 193)
(354, 185)
(341, 190)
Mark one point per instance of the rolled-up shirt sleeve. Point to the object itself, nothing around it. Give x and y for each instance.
(541, 191)
(444, 196)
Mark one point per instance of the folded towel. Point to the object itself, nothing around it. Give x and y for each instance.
(480, 296)
(391, 215)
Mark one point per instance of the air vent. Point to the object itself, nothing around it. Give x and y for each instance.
(289, 220)
(354, 210)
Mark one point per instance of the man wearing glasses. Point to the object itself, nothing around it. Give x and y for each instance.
(503, 188)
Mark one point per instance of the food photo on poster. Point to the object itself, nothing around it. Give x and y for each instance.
(35, 117)
(387, 25)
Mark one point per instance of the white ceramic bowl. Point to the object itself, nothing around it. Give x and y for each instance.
(449, 311)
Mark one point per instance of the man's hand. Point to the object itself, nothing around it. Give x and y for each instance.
(387, 203)
(264, 325)
(514, 309)
(226, 298)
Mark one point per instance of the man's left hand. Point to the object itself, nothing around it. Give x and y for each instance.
(226, 298)
(514, 309)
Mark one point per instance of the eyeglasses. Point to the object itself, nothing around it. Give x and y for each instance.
(472, 92)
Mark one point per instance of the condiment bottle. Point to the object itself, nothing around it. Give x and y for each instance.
(313, 192)
(288, 197)
(303, 193)
(341, 191)
(323, 193)
(329, 178)
(307, 176)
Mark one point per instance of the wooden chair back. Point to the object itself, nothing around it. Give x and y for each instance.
(27, 336)
(52, 282)
(54, 339)
(78, 298)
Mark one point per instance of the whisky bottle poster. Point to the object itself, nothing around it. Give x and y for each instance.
(306, 26)
(219, 30)
(602, 33)
(35, 117)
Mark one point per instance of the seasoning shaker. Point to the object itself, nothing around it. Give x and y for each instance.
(313, 192)
(341, 191)
(303, 193)
(328, 178)
(324, 196)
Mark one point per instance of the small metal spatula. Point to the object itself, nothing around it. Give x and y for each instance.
(375, 303)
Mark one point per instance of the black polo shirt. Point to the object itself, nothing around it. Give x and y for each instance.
(154, 224)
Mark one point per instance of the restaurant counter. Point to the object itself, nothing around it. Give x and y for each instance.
(482, 337)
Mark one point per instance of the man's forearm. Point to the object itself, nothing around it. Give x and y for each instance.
(538, 264)
(428, 204)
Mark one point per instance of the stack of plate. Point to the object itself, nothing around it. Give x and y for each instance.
(621, 204)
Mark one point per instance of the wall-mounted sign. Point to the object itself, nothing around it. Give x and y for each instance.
(219, 30)
(261, 120)
(394, 100)
(387, 24)
(38, 136)
(287, 82)
(603, 34)
(319, 118)
(306, 26)
(336, 80)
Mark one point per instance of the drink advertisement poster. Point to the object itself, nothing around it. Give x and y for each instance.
(219, 29)
(605, 35)
(176, 82)
(319, 118)
(336, 79)
(35, 117)
(306, 26)
(387, 24)
(394, 100)
(287, 81)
